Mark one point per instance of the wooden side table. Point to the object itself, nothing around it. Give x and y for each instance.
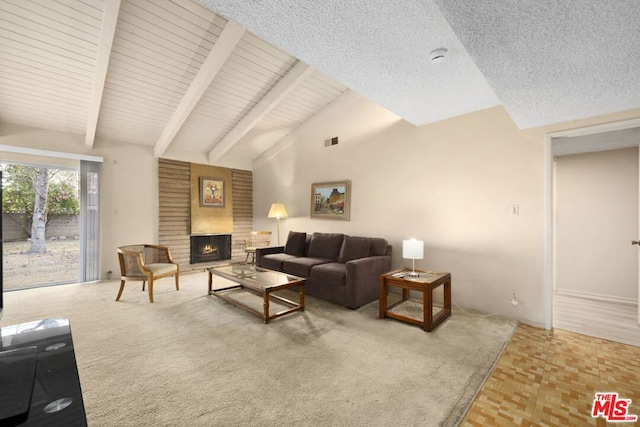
(422, 312)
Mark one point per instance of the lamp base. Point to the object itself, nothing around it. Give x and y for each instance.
(413, 274)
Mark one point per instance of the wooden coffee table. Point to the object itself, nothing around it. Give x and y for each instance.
(259, 281)
(423, 312)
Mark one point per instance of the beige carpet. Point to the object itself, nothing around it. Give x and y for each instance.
(193, 360)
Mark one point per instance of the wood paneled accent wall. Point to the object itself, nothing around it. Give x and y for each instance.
(175, 204)
(242, 210)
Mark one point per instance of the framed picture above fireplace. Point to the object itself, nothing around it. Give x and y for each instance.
(212, 192)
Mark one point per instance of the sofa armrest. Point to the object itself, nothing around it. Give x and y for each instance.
(362, 279)
(260, 252)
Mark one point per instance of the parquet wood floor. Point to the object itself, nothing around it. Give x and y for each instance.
(550, 377)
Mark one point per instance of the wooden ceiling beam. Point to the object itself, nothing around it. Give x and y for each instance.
(224, 46)
(109, 23)
(286, 84)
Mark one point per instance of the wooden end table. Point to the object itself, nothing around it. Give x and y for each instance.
(422, 312)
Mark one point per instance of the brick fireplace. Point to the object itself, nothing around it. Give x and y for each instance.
(210, 247)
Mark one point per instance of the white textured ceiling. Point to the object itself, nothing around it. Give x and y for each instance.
(602, 141)
(546, 61)
(379, 48)
(551, 61)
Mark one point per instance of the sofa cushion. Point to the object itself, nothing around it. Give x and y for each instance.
(274, 261)
(295, 243)
(301, 266)
(325, 245)
(354, 247)
(378, 246)
(332, 273)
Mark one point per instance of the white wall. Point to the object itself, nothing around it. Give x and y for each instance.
(596, 219)
(129, 186)
(451, 184)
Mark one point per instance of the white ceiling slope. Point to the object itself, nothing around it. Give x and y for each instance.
(546, 61)
(169, 74)
(224, 83)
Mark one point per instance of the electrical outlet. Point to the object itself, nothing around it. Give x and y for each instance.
(515, 210)
(514, 299)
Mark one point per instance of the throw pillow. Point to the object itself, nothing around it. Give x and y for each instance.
(354, 247)
(325, 245)
(378, 246)
(295, 243)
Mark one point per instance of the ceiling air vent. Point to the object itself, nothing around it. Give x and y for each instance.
(331, 141)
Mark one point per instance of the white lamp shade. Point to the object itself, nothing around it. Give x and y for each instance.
(278, 210)
(412, 249)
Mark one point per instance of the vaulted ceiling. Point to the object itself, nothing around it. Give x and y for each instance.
(227, 79)
(168, 74)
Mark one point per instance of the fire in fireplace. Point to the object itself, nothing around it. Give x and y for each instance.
(210, 247)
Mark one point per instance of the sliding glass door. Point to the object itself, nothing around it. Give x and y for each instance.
(57, 241)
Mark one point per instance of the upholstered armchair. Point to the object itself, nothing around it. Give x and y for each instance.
(146, 263)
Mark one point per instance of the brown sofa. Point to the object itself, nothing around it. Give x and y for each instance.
(339, 268)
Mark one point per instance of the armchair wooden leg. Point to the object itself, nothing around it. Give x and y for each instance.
(151, 290)
(177, 281)
(143, 283)
(120, 291)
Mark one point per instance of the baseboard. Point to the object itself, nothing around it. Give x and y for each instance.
(597, 297)
(531, 323)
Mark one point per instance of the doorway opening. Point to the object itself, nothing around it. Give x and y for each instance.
(592, 199)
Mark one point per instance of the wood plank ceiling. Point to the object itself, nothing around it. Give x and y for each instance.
(169, 74)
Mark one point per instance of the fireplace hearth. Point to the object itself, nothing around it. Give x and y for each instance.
(210, 247)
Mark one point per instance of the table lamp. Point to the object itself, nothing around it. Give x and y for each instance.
(277, 211)
(413, 249)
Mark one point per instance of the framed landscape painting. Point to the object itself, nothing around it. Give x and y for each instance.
(331, 200)
(212, 192)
